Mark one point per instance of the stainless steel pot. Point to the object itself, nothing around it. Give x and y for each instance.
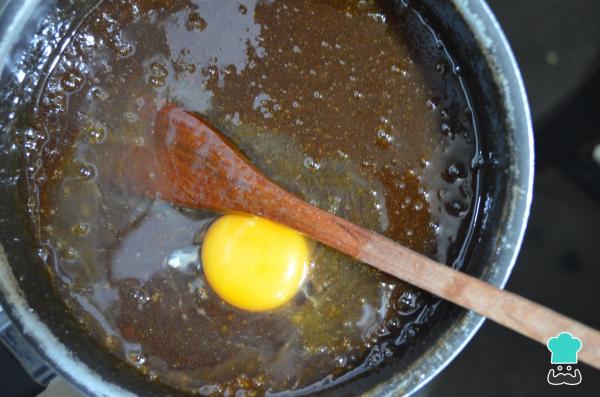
(473, 37)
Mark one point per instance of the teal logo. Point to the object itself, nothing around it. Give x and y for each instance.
(564, 348)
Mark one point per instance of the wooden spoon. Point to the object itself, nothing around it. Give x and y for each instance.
(191, 164)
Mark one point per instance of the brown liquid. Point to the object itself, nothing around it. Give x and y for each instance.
(332, 99)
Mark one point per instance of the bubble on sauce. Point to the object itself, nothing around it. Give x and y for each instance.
(138, 295)
(195, 22)
(87, 171)
(446, 129)
(94, 133)
(159, 70)
(32, 140)
(375, 358)
(399, 70)
(442, 67)
(433, 103)
(455, 171)
(43, 253)
(98, 94)
(87, 42)
(32, 135)
(71, 253)
(54, 102)
(457, 207)
(136, 358)
(72, 80)
(408, 303)
(81, 229)
(158, 74)
(211, 72)
(378, 17)
(384, 139)
(262, 104)
(311, 163)
(153, 375)
(125, 50)
(181, 67)
(131, 117)
(156, 81)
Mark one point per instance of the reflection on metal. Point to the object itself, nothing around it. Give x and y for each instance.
(596, 154)
(23, 352)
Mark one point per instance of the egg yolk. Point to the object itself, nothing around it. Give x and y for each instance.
(253, 263)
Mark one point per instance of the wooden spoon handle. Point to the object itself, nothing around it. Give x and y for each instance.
(510, 310)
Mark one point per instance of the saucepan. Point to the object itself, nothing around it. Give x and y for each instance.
(33, 31)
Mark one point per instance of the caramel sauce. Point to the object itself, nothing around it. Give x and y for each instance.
(352, 105)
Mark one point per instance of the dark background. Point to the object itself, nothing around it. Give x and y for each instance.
(557, 45)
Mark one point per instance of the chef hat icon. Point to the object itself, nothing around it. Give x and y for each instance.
(564, 348)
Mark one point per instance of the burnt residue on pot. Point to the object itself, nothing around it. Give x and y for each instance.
(354, 106)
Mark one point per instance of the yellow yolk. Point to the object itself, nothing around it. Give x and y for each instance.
(253, 263)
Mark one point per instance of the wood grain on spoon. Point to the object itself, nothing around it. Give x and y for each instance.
(191, 164)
